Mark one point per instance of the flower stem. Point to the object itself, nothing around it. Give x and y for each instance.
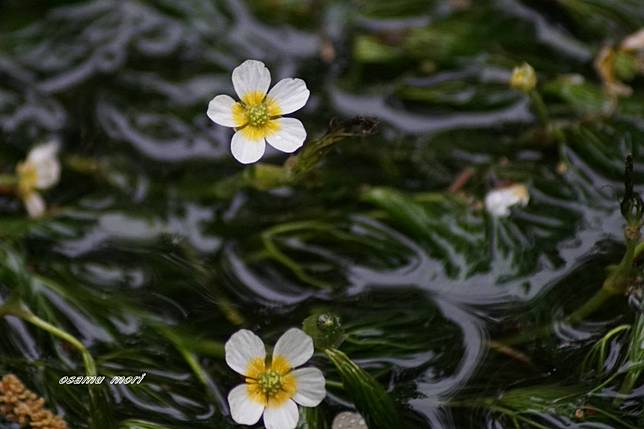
(100, 416)
(190, 357)
(615, 284)
(539, 107)
(638, 250)
(590, 306)
(13, 307)
(88, 361)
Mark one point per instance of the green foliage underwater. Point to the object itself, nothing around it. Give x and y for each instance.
(427, 309)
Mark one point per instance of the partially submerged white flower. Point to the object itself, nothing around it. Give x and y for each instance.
(257, 118)
(348, 420)
(499, 201)
(634, 42)
(273, 389)
(40, 171)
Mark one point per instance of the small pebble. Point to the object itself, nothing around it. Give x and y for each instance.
(349, 420)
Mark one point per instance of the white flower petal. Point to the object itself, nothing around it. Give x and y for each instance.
(499, 201)
(295, 346)
(634, 42)
(44, 158)
(290, 137)
(220, 111)
(284, 417)
(251, 76)
(243, 409)
(311, 388)
(290, 94)
(242, 348)
(246, 150)
(43, 152)
(34, 204)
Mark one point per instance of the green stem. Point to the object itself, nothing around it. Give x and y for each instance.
(539, 107)
(335, 384)
(618, 280)
(188, 354)
(639, 249)
(7, 180)
(586, 309)
(636, 358)
(88, 361)
(616, 283)
(100, 417)
(14, 308)
(590, 306)
(275, 252)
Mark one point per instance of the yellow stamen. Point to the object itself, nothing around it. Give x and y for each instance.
(270, 385)
(254, 115)
(257, 133)
(287, 391)
(239, 115)
(253, 98)
(255, 368)
(281, 365)
(255, 393)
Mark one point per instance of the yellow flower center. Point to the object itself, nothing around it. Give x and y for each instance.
(255, 115)
(270, 382)
(270, 385)
(27, 178)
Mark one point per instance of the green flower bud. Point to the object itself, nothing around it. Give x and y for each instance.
(325, 329)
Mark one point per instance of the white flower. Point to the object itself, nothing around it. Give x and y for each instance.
(499, 201)
(273, 389)
(349, 420)
(40, 171)
(634, 42)
(257, 118)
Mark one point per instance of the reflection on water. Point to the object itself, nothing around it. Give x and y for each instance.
(143, 244)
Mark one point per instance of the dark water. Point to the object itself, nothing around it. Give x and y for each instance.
(142, 263)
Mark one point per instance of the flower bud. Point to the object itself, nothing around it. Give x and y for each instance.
(524, 78)
(325, 329)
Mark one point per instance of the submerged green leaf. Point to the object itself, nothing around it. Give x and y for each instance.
(312, 418)
(371, 399)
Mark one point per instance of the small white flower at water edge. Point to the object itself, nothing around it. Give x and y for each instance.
(273, 389)
(634, 42)
(40, 171)
(257, 118)
(499, 201)
(349, 420)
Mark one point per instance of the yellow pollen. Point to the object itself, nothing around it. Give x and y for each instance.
(270, 382)
(257, 115)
